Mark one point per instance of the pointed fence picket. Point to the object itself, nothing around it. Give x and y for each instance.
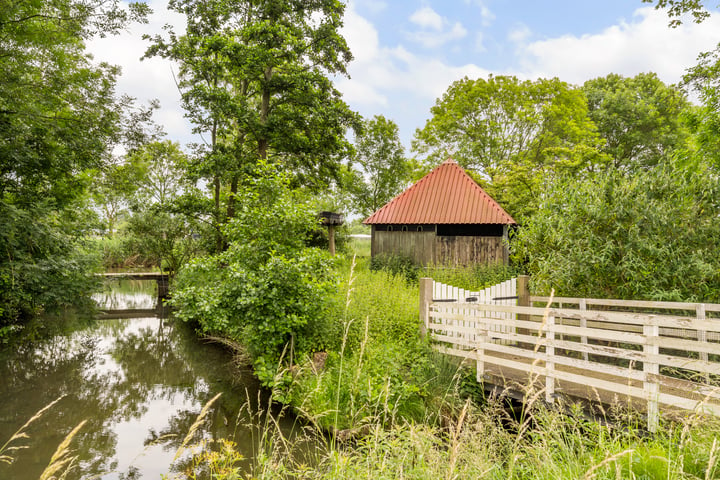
(449, 299)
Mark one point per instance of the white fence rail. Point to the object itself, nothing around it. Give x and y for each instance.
(659, 354)
(448, 298)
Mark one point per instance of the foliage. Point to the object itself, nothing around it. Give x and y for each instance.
(267, 289)
(162, 166)
(653, 236)
(385, 171)
(254, 79)
(396, 265)
(381, 382)
(59, 119)
(516, 135)
(44, 266)
(474, 277)
(640, 118)
(678, 8)
(113, 189)
(161, 238)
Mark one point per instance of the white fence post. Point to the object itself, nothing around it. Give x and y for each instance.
(549, 364)
(583, 324)
(650, 367)
(426, 296)
(701, 334)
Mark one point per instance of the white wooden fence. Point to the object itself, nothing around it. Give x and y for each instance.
(448, 297)
(658, 354)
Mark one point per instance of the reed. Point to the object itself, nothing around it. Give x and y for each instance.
(8, 448)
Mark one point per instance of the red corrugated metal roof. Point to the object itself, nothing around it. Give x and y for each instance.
(446, 195)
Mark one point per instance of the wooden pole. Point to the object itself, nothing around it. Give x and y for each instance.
(523, 293)
(426, 293)
(331, 237)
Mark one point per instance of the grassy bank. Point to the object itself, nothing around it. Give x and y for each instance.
(379, 403)
(485, 442)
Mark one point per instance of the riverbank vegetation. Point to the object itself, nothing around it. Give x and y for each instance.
(614, 184)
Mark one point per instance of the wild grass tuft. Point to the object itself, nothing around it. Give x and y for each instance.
(8, 448)
(63, 461)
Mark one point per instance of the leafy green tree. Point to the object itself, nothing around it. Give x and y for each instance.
(640, 118)
(267, 290)
(385, 170)
(159, 230)
(254, 78)
(654, 235)
(114, 188)
(515, 135)
(677, 8)
(163, 167)
(59, 120)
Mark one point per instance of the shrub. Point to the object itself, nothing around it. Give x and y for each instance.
(651, 236)
(267, 290)
(396, 265)
(473, 277)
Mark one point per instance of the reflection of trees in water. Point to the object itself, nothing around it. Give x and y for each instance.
(114, 373)
(34, 377)
(127, 294)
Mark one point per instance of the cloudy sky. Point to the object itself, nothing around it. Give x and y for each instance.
(408, 52)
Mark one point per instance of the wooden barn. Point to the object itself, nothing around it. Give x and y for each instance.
(445, 218)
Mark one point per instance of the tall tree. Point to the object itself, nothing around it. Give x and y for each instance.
(704, 121)
(254, 77)
(385, 170)
(640, 118)
(514, 134)
(678, 8)
(59, 118)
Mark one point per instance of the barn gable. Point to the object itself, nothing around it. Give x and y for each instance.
(445, 218)
(446, 195)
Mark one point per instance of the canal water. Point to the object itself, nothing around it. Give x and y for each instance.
(139, 382)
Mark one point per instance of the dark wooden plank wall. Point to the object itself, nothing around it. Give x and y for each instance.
(426, 248)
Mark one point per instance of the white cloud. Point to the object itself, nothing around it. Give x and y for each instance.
(426, 17)
(480, 42)
(435, 30)
(487, 17)
(374, 6)
(519, 34)
(380, 74)
(641, 45)
(151, 78)
(437, 39)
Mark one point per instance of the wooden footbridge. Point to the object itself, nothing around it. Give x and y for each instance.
(659, 357)
(162, 279)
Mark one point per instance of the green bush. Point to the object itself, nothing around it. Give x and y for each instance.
(267, 290)
(44, 267)
(652, 236)
(396, 265)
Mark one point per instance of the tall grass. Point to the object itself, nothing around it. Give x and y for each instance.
(63, 460)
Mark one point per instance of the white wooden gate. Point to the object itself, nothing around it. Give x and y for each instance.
(504, 293)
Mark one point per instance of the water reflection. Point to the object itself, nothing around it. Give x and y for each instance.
(139, 382)
(122, 294)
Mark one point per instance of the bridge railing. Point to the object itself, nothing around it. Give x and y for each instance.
(653, 355)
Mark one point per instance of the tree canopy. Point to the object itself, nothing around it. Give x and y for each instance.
(385, 170)
(639, 118)
(254, 79)
(60, 118)
(514, 134)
